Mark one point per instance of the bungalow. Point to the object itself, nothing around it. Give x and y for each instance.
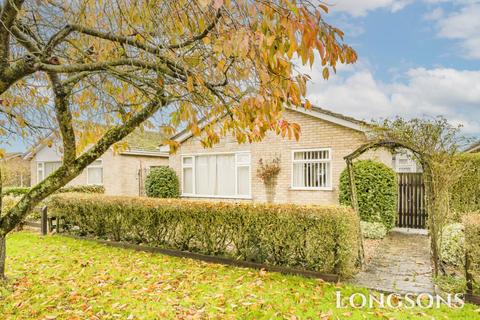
(473, 148)
(309, 168)
(120, 174)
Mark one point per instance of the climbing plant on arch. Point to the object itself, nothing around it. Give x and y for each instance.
(434, 143)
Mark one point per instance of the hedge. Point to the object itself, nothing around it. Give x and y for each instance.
(471, 223)
(162, 182)
(323, 239)
(465, 195)
(376, 186)
(20, 191)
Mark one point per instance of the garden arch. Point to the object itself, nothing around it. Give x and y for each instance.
(391, 145)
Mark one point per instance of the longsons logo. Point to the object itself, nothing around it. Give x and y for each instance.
(396, 301)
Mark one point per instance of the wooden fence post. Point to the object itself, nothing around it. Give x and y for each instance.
(468, 275)
(44, 225)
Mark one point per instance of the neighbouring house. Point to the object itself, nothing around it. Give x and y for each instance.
(15, 170)
(120, 173)
(309, 168)
(404, 162)
(474, 148)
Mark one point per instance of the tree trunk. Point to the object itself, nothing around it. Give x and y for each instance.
(3, 252)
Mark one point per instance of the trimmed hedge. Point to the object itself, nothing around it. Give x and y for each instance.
(15, 191)
(465, 195)
(323, 239)
(162, 182)
(20, 191)
(471, 223)
(376, 191)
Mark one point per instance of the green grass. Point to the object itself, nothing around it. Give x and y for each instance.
(59, 277)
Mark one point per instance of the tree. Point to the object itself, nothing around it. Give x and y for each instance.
(90, 72)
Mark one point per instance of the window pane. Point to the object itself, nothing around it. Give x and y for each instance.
(205, 172)
(311, 155)
(187, 180)
(310, 173)
(51, 167)
(225, 182)
(188, 161)
(243, 178)
(96, 163)
(298, 176)
(243, 158)
(95, 175)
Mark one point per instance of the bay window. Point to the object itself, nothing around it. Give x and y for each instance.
(216, 175)
(312, 169)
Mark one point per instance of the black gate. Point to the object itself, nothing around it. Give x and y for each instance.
(411, 211)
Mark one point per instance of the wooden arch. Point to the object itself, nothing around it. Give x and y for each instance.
(389, 144)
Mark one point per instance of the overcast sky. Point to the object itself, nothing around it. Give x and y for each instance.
(416, 58)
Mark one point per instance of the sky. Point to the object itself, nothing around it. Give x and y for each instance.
(417, 58)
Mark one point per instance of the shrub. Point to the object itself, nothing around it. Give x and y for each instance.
(465, 194)
(7, 203)
(323, 239)
(373, 230)
(162, 182)
(376, 191)
(471, 223)
(15, 191)
(452, 246)
(20, 191)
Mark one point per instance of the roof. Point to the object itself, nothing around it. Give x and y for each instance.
(314, 111)
(474, 147)
(12, 155)
(139, 143)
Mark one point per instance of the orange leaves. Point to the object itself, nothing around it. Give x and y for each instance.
(291, 130)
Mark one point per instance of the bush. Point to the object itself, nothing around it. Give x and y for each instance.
(373, 230)
(376, 191)
(452, 246)
(8, 202)
(471, 223)
(162, 182)
(323, 239)
(82, 189)
(20, 191)
(15, 191)
(465, 194)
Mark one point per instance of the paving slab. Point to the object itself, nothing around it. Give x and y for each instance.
(401, 264)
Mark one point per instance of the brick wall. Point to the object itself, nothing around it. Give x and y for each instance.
(316, 133)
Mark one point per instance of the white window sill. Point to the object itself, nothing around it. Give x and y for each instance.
(216, 197)
(310, 189)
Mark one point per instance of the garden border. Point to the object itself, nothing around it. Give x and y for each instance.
(333, 278)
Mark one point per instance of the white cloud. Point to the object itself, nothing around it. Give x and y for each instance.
(452, 93)
(433, 15)
(464, 26)
(362, 7)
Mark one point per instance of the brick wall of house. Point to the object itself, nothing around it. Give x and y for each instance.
(120, 172)
(316, 133)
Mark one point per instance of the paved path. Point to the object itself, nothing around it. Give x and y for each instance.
(401, 264)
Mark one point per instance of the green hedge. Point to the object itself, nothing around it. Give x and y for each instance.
(162, 182)
(376, 191)
(471, 223)
(20, 191)
(15, 191)
(323, 239)
(465, 195)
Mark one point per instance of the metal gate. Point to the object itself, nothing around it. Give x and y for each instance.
(411, 211)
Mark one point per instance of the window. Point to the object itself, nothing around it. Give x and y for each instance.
(95, 173)
(44, 169)
(216, 175)
(312, 169)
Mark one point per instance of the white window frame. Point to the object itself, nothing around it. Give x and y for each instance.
(41, 168)
(237, 165)
(329, 161)
(93, 166)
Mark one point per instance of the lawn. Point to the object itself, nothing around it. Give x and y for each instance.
(56, 277)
